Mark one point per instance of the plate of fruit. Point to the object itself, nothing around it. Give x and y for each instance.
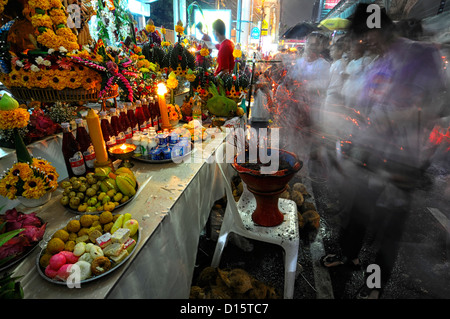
(88, 248)
(103, 190)
(20, 233)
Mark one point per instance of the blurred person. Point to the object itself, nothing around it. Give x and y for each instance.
(353, 75)
(332, 112)
(389, 150)
(205, 37)
(225, 58)
(300, 96)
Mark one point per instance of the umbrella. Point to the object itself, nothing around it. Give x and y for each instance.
(299, 31)
(335, 23)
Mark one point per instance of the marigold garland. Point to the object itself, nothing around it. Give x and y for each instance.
(204, 52)
(16, 118)
(49, 14)
(3, 3)
(79, 77)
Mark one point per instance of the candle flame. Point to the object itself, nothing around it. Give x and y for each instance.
(162, 89)
(123, 147)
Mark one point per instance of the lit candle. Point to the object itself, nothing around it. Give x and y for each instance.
(162, 90)
(96, 134)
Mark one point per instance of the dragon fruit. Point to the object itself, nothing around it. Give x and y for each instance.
(33, 231)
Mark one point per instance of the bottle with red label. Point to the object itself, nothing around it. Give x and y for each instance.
(148, 117)
(73, 157)
(123, 117)
(117, 126)
(132, 117)
(86, 146)
(155, 113)
(140, 116)
(107, 131)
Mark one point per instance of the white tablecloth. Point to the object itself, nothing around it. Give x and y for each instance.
(172, 208)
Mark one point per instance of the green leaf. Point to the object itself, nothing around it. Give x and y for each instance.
(7, 236)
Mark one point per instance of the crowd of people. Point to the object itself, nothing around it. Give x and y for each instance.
(360, 112)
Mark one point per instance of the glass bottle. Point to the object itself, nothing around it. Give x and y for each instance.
(197, 107)
(87, 149)
(117, 127)
(132, 117)
(107, 131)
(73, 157)
(123, 117)
(156, 114)
(140, 116)
(148, 117)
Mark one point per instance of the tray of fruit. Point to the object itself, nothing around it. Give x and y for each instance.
(101, 191)
(89, 247)
(20, 233)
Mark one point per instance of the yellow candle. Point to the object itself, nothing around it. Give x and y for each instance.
(162, 90)
(95, 131)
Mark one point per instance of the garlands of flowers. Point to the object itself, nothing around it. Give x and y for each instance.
(113, 70)
(16, 118)
(30, 180)
(74, 78)
(172, 81)
(204, 52)
(49, 14)
(3, 3)
(190, 75)
(179, 28)
(174, 112)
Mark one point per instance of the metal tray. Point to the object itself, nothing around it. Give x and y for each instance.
(136, 237)
(28, 250)
(147, 158)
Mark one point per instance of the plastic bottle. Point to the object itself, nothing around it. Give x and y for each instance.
(144, 144)
(132, 117)
(197, 108)
(73, 157)
(137, 141)
(117, 127)
(123, 117)
(107, 131)
(86, 147)
(152, 142)
(147, 114)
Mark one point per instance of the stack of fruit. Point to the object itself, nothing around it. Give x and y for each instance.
(103, 190)
(94, 243)
(197, 131)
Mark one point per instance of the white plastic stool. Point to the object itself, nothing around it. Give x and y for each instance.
(238, 219)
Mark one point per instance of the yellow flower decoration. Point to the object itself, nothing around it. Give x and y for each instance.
(16, 118)
(190, 77)
(165, 43)
(41, 20)
(237, 53)
(163, 30)
(204, 52)
(179, 29)
(34, 188)
(41, 4)
(150, 28)
(22, 170)
(172, 83)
